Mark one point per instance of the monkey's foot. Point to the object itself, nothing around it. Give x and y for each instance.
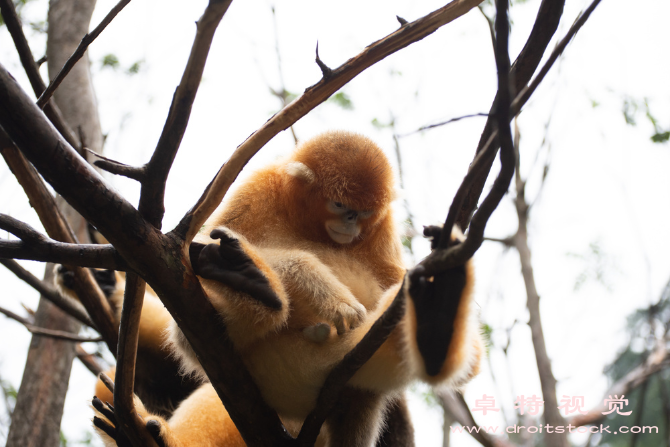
(110, 427)
(348, 315)
(228, 264)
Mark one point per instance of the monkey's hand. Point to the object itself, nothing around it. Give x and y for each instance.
(436, 301)
(105, 421)
(348, 313)
(64, 279)
(228, 264)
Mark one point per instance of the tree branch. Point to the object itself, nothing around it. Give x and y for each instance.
(443, 123)
(79, 53)
(88, 361)
(68, 305)
(352, 362)
(57, 227)
(59, 335)
(152, 197)
(312, 97)
(85, 255)
(126, 415)
(522, 70)
(32, 70)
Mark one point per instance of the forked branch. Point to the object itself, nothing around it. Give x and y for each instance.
(312, 97)
(79, 53)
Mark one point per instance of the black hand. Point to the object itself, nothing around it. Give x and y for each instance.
(107, 410)
(230, 265)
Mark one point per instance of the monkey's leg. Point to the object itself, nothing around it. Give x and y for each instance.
(398, 430)
(356, 420)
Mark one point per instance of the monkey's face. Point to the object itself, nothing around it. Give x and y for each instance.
(344, 224)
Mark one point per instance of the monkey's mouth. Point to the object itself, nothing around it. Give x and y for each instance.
(342, 234)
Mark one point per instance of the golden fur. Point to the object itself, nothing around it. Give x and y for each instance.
(278, 216)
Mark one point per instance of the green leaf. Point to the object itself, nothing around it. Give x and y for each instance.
(111, 61)
(660, 137)
(342, 100)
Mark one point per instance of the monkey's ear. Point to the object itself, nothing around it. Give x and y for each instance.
(301, 171)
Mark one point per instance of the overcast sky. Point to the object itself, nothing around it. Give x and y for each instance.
(608, 185)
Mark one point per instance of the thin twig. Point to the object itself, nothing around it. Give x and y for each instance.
(68, 305)
(443, 123)
(117, 168)
(79, 53)
(32, 69)
(312, 97)
(152, 196)
(60, 335)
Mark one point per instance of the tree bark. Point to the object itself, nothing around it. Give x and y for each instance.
(39, 407)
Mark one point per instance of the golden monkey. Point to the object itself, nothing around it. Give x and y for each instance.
(301, 260)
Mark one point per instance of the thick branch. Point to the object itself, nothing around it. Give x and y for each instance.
(85, 255)
(59, 335)
(68, 305)
(32, 69)
(152, 197)
(79, 53)
(312, 97)
(352, 362)
(159, 259)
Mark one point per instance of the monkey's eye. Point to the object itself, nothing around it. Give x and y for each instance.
(338, 205)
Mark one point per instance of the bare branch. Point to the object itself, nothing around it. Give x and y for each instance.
(657, 361)
(526, 93)
(32, 69)
(79, 53)
(126, 414)
(443, 123)
(89, 361)
(58, 228)
(312, 97)
(152, 196)
(68, 305)
(115, 167)
(326, 71)
(522, 70)
(59, 335)
(86, 255)
(352, 362)
(21, 230)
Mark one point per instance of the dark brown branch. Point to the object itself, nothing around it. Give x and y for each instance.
(522, 70)
(117, 168)
(32, 69)
(444, 257)
(68, 305)
(57, 227)
(79, 53)
(160, 259)
(85, 255)
(326, 71)
(126, 415)
(352, 362)
(152, 197)
(402, 21)
(526, 93)
(312, 97)
(89, 361)
(21, 230)
(59, 335)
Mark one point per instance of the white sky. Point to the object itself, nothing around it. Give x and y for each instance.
(608, 184)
